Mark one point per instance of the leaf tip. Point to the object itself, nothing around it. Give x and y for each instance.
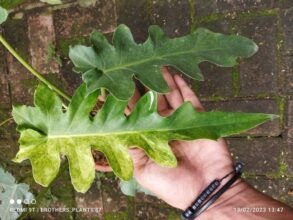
(272, 116)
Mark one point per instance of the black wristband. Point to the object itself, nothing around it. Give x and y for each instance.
(196, 208)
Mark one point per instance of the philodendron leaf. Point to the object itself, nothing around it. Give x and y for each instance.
(3, 15)
(47, 131)
(113, 66)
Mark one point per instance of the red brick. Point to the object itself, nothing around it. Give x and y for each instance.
(135, 14)
(77, 21)
(172, 15)
(16, 34)
(40, 43)
(259, 74)
(260, 155)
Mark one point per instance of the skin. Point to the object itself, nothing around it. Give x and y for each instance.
(199, 163)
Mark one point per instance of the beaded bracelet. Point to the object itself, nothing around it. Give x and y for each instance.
(198, 207)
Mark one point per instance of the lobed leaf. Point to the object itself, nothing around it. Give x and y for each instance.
(3, 15)
(113, 66)
(48, 132)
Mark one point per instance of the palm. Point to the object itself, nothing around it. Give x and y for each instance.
(199, 162)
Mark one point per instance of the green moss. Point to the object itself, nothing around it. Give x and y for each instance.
(283, 168)
(63, 45)
(235, 81)
(262, 95)
(30, 83)
(174, 216)
(249, 174)
(123, 215)
(281, 107)
(215, 98)
(206, 19)
(234, 16)
(53, 55)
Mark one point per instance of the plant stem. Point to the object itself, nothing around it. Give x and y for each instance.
(103, 93)
(32, 70)
(5, 121)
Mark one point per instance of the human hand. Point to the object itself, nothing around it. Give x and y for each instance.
(199, 162)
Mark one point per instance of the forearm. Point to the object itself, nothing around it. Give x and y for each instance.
(241, 201)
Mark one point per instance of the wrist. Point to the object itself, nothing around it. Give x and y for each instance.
(225, 203)
(212, 195)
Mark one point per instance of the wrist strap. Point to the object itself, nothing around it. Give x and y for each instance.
(198, 207)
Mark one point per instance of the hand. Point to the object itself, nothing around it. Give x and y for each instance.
(199, 162)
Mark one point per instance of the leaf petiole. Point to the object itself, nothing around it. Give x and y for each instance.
(5, 121)
(32, 70)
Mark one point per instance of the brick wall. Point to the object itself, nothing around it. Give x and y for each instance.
(263, 83)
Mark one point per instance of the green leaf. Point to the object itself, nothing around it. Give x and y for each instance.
(47, 132)
(11, 191)
(113, 66)
(3, 15)
(52, 2)
(8, 4)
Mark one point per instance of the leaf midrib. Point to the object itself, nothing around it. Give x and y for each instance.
(142, 131)
(156, 58)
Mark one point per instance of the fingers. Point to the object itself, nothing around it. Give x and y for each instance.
(103, 168)
(174, 97)
(134, 99)
(139, 158)
(162, 103)
(187, 93)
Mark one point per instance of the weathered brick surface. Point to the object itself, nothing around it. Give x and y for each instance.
(22, 91)
(8, 148)
(222, 26)
(135, 14)
(217, 81)
(113, 199)
(173, 16)
(288, 70)
(5, 101)
(206, 7)
(287, 18)
(286, 191)
(93, 200)
(267, 186)
(260, 155)
(20, 43)
(155, 212)
(259, 74)
(40, 43)
(289, 156)
(271, 128)
(78, 21)
(3, 66)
